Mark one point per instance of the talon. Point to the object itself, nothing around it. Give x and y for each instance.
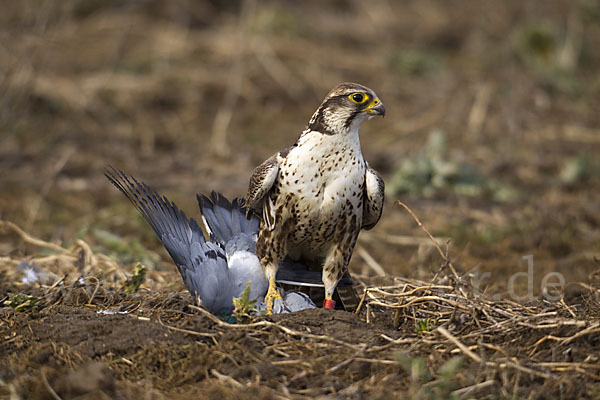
(272, 295)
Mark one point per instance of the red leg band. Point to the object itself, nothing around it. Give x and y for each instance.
(329, 304)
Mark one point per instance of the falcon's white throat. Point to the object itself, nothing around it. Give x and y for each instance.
(336, 120)
(325, 145)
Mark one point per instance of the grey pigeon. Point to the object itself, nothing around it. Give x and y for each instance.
(228, 226)
(214, 271)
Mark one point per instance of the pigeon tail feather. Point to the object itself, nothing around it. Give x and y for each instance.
(202, 265)
(225, 221)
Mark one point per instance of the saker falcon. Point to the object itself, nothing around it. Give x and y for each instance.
(315, 196)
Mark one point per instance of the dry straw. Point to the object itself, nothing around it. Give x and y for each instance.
(504, 343)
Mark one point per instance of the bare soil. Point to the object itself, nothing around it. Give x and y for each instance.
(190, 96)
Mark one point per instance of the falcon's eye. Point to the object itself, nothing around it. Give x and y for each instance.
(358, 98)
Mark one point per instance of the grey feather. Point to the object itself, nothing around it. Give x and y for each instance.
(224, 220)
(291, 302)
(202, 265)
(228, 226)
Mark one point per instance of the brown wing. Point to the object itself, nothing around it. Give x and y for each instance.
(261, 182)
(373, 198)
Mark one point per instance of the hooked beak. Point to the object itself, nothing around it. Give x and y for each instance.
(376, 108)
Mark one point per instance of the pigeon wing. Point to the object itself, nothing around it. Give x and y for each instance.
(202, 264)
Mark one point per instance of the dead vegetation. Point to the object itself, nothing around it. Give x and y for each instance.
(491, 138)
(443, 339)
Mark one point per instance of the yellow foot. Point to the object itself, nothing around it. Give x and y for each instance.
(272, 295)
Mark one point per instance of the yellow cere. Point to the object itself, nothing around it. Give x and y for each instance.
(374, 103)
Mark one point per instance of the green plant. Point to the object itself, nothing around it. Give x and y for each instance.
(243, 306)
(132, 284)
(541, 47)
(427, 387)
(424, 325)
(433, 171)
(21, 302)
(576, 169)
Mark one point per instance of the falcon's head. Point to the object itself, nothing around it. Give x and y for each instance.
(346, 107)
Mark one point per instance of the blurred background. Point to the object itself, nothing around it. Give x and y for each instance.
(492, 132)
